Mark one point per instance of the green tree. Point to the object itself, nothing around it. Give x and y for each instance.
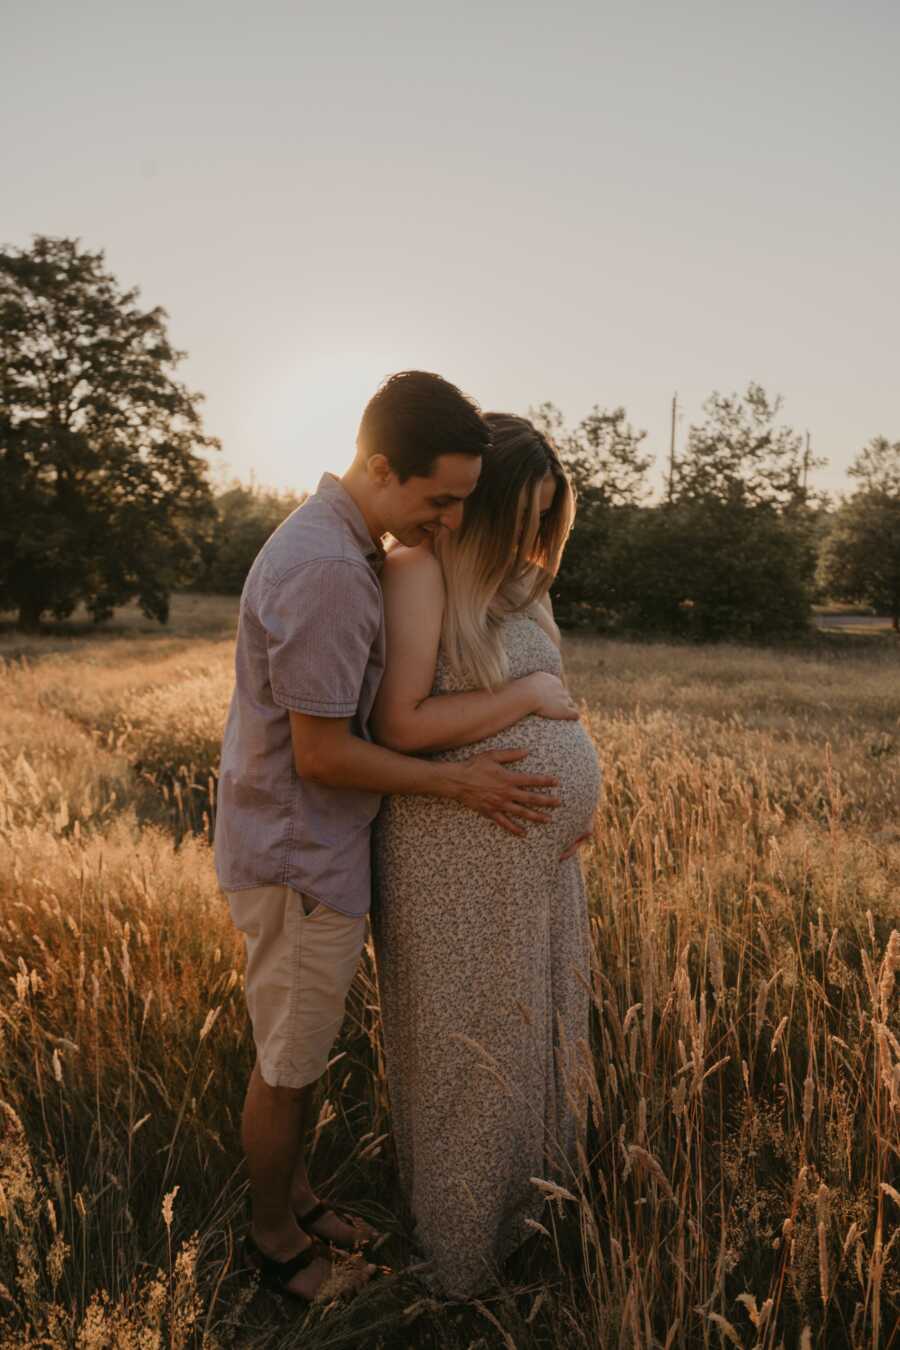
(732, 550)
(709, 570)
(604, 459)
(740, 454)
(861, 555)
(732, 554)
(877, 467)
(602, 454)
(245, 517)
(103, 486)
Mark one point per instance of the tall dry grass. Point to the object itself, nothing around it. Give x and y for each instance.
(741, 1177)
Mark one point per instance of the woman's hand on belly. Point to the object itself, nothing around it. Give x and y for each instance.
(553, 699)
(573, 848)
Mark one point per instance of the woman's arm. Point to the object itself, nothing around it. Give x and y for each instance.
(405, 716)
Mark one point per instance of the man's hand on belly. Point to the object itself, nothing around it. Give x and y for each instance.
(486, 785)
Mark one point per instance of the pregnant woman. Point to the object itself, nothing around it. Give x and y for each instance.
(481, 932)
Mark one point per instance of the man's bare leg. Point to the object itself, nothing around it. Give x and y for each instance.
(272, 1136)
(330, 1227)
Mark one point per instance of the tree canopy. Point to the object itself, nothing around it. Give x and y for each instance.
(861, 554)
(602, 454)
(730, 553)
(877, 467)
(740, 454)
(245, 517)
(102, 478)
(604, 459)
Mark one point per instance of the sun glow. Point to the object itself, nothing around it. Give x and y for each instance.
(307, 416)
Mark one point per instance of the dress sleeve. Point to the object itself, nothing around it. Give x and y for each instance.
(321, 620)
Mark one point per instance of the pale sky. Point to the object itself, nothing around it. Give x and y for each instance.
(583, 202)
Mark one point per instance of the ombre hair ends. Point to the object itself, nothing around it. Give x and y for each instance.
(505, 554)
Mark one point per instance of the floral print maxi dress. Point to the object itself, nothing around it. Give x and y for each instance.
(481, 940)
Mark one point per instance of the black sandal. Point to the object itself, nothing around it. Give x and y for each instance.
(276, 1275)
(319, 1211)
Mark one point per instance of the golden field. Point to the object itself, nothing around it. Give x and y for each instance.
(742, 1174)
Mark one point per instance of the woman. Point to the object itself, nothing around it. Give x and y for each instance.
(481, 933)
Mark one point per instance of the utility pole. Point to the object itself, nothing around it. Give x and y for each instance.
(672, 445)
(805, 465)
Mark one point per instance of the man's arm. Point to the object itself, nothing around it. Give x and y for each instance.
(406, 717)
(320, 621)
(327, 752)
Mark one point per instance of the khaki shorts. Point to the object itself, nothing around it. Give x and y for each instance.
(301, 958)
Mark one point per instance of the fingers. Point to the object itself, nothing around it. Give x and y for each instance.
(526, 807)
(534, 799)
(573, 848)
(521, 779)
(527, 814)
(505, 823)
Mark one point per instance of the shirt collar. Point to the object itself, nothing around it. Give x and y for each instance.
(339, 499)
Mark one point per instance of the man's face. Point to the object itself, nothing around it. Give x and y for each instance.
(421, 507)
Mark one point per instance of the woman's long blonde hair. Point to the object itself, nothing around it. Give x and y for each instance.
(505, 554)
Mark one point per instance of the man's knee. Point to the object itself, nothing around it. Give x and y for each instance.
(277, 1093)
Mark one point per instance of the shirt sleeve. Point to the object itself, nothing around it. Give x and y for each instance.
(321, 621)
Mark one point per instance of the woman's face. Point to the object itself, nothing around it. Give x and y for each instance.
(546, 493)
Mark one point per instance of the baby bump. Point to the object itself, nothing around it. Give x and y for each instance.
(563, 749)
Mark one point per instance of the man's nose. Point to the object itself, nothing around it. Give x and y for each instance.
(452, 518)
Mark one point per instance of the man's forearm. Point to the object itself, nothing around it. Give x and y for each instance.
(355, 763)
(447, 721)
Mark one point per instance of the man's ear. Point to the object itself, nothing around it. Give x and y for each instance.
(379, 470)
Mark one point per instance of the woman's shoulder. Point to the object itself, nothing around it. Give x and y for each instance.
(413, 569)
(401, 556)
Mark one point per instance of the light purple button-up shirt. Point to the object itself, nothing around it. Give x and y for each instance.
(310, 638)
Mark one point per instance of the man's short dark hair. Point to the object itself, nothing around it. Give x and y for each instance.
(415, 417)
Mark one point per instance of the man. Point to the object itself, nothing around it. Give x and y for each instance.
(301, 782)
